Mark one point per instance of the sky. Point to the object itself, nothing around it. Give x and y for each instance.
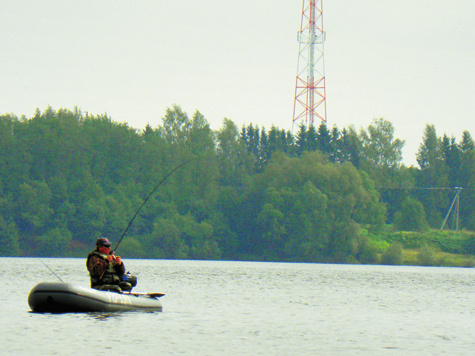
(411, 62)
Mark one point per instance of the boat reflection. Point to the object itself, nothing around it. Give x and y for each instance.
(104, 316)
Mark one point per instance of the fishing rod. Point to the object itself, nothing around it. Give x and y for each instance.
(51, 270)
(154, 189)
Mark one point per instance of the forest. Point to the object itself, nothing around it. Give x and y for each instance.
(321, 194)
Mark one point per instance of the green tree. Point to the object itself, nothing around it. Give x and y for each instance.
(311, 139)
(53, 243)
(335, 145)
(9, 243)
(250, 136)
(34, 211)
(411, 217)
(15, 160)
(307, 209)
(382, 152)
(270, 222)
(433, 175)
(113, 150)
(264, 150)
(176, 125)
(166, 241)
(233, 160)
(131, 246)
(351, 147)
(324, 138)
(201, 138)
(273, 138)
(288, 143)
(202, 244)
(301, 140)
(453, 159)
(467, 181)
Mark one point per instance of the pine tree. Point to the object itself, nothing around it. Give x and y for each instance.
(301, 140)
(432, 176)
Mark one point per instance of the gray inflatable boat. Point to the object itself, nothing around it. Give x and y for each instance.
(51, 297)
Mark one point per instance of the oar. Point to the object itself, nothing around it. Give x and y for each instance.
(152, 295)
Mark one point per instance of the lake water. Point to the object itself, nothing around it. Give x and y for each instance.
(250, 308)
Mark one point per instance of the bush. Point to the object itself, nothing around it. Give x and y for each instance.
(367, 253)
(427, 256)
(470, 245)
(393, 255)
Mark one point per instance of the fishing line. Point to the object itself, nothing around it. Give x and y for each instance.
(51, 271)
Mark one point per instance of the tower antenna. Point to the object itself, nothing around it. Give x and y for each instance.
(309, 102)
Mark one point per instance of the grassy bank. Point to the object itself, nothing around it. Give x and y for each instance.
(429, 248)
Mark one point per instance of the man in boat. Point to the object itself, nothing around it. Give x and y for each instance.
(107, 271)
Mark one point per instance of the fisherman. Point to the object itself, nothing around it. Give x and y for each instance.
(107, 271)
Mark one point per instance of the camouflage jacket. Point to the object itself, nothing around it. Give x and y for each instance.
(102, 271)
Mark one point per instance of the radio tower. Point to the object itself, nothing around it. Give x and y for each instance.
(310, 101)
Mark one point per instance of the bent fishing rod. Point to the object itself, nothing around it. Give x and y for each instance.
(146, 199)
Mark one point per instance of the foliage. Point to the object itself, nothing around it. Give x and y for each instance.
(381, 150)
(411, 217)
(393, 255)
(323, 195)
(9, 245)
(427, 256)
(433, 174)
(296, 209)
(52, 243)
(367, 252)
(447, 241)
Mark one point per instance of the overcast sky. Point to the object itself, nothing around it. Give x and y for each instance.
(409, 61)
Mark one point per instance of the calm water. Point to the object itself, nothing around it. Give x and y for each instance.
(241, 308)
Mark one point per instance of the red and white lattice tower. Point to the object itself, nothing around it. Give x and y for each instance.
(310, 104)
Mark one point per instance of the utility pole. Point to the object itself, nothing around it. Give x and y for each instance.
(309, 101)
(455, 202)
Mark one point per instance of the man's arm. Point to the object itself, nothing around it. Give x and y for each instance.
(120, 268)
(96, 266)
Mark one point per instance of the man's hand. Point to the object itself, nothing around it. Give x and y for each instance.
(111, 258)
(118, 260)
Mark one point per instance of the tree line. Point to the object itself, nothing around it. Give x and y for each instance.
(253, 194)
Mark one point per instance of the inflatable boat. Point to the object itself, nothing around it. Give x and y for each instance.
(51, 297)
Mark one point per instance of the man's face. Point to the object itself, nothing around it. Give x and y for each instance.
(105, 249)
